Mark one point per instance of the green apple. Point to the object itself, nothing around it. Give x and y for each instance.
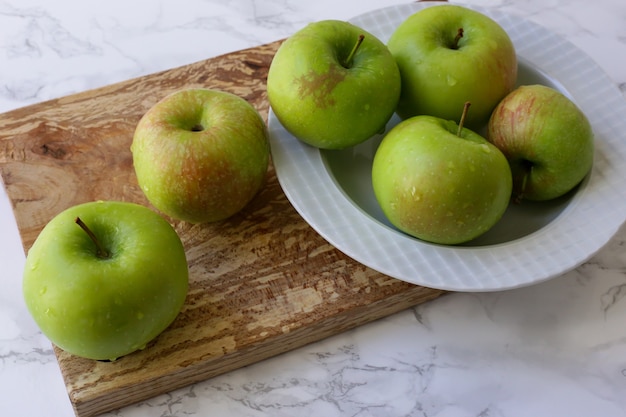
(201, 155)
(546, 138)
(333, 85)
(448, 55)
(105, 278)
(438, 182)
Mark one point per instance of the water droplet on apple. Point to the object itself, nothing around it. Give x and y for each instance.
(139, 315)
(485, 148)
(416, 196)
(43, 290)
(138, 347)
(451, 80)
(49, 312)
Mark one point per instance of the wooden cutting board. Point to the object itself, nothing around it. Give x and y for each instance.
(261, 283)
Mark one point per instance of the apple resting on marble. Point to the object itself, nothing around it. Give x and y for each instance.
(201, 155)
(333, 85)
(105, 278)
(546, 138)
(451, 54)
(440, 182)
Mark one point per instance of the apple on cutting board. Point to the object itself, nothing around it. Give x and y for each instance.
(448, 55)
(333, 85)
(105, 278)
(200, 155)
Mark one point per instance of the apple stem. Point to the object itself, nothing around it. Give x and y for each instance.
(101, 252)
(348, 62)
(463, 116)
(520, 195)
(457, 38)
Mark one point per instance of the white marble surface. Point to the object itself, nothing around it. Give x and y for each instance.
(554, 349)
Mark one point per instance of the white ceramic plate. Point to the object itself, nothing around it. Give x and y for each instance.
(532, 243)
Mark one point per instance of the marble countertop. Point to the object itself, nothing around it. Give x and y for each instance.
(553, 349)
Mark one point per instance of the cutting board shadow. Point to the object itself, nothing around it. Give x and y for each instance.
(261, 283)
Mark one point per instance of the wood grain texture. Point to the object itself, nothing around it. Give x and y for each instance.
(261, 283)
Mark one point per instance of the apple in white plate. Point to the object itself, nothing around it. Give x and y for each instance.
(201, 155)
(105, 278)
(448, 55)
(547, 139)
(333, 85)
(440, 182)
